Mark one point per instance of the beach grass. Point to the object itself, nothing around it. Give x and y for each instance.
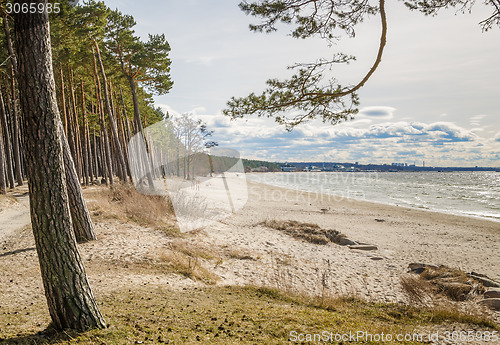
(125, 203)
(309, 232)
(232, 315)
(144, 303)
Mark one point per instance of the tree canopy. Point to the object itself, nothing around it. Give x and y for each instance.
(312, 92)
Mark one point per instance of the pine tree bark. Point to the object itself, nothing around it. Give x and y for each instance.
(92, 169)
(109, 109)
(129, 133)
(63, 100)
(80, 216)
(15, 132)
(69, 297)
(15, 110)
(3, 180)
(7, 146)
(85, 149)
(137, 118)
(97, 158)
(107, 149)
(77, 158)
(121, 132)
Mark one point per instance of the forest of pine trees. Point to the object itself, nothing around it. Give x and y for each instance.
(105, 78)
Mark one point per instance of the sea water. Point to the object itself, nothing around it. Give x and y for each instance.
(475, 194)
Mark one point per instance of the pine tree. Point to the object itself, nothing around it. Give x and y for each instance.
(69, 297)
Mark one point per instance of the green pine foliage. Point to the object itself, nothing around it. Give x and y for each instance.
(73, 31)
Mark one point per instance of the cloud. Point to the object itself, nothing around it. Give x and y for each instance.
(439, 143)
(378, 112)
(476, 120)
(438, 132)
(447, 131)
(407, 153)
(442, 142)
(167, 109)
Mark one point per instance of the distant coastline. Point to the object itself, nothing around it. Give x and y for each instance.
(393, 167)
(473, 194)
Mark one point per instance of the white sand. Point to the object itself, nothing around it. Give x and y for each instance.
(402, 236)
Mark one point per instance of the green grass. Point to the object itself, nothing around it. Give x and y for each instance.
(226, 315)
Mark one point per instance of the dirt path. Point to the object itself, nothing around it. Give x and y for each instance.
(16, 217)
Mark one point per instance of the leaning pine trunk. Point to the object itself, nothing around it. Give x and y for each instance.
(70, 300)
(112, 123)
(82, 224)
(137, 118)
(7, 146)
(3, 180)
(104, 130)
(77, 158)
(15, 111)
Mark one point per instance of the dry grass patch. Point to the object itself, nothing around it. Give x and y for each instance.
(453, 283)
(193, 250)
(418, 291)
(439, 313)
(189, 266)
(124, 202)
(444, 281)
(240, 254)
(229, 315)
(309, 232)
(190, 260)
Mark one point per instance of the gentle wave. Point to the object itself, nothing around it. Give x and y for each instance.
(474, 194)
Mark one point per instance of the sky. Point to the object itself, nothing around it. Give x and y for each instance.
(435, 97)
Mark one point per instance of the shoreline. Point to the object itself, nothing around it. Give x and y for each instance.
(347, 199)
(495, 219)
(241, 251)
(402, 236)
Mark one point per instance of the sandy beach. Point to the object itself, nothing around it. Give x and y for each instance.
(402, 236)
(253, 254)
(241, 250)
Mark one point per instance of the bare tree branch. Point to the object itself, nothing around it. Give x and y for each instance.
(303, 93)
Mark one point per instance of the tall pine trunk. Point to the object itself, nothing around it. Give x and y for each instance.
(77, 158)
(15, 111)
(104, 130)
(82, 224)
(16, 145)
(7, 148)
(3, 180)
(85, 148)
(69, 297)
(137, 118)
(121, 132)
(122, 168)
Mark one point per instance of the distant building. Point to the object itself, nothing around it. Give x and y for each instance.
(313, 168)
(288, 168)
